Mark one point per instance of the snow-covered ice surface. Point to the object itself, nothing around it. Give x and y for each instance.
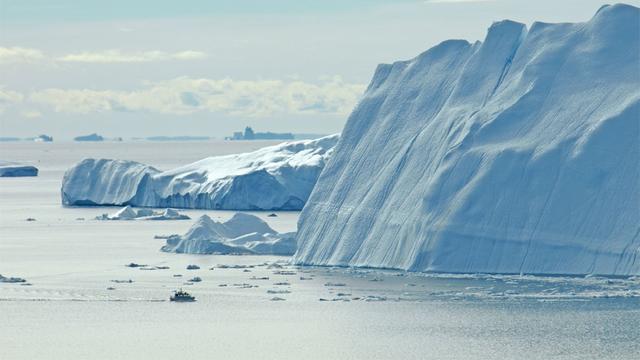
(129, 213)
(518, 154)
(83, 302)
(278, 177)
(242, 234)
(14, 169)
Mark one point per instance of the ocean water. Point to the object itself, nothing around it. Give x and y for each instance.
(260, 306)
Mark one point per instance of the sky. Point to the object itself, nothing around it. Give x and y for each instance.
(208, 68)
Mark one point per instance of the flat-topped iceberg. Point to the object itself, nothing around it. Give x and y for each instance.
(519, 154)
(278, 177)
(90, 137)
(14, 169)
(242, 234)
(129, 213)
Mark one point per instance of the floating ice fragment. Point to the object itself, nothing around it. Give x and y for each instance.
(11, 280)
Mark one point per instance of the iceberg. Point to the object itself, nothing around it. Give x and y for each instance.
(516, 155)
(90, 137)
(278, 177)
(129, 213)
(43, 138)
(242, 234)
(14, 169)
(11, 279)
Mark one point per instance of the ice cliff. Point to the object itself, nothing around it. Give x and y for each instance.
(278, 177)
(242, 234)
(518, 154)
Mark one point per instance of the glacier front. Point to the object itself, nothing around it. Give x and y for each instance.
(278, 177)
(519, 154)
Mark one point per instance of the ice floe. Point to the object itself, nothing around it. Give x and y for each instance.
(129, 213)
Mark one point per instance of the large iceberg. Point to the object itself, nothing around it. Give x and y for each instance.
(278, 177)
(520, 154)
(14, 169)
(242, 234)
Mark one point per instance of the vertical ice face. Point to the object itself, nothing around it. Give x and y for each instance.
(520, 154)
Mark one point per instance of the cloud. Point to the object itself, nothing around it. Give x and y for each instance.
(19, 54)
(8, 98)
(118, 56)
(31, 114)
(236, 97)
(28, 55)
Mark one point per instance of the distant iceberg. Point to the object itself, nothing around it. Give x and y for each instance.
(90, 137)
(129, 213)
(278, 177)
(242, 234)
(43, 138)
(519, 154)
(14, 169)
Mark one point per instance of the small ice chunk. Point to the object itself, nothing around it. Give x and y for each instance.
(134, 265)
(278, 291)
(11, 280)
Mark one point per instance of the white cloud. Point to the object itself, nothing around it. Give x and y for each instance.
(9, 98)
(189, 55)
(118, 56)
(31, 114)
(28, 55)
(237, 97)
(19, 54)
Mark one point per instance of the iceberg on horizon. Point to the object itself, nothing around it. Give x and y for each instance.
(242, 234)
(278, 177)
(516, 155)
(90, 137)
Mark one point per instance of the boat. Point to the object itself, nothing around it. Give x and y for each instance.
(182, 296)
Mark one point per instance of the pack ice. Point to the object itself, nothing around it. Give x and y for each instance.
(242, 234)
(278, 177)
(14, 169)
(520, 154)
(129, 213)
